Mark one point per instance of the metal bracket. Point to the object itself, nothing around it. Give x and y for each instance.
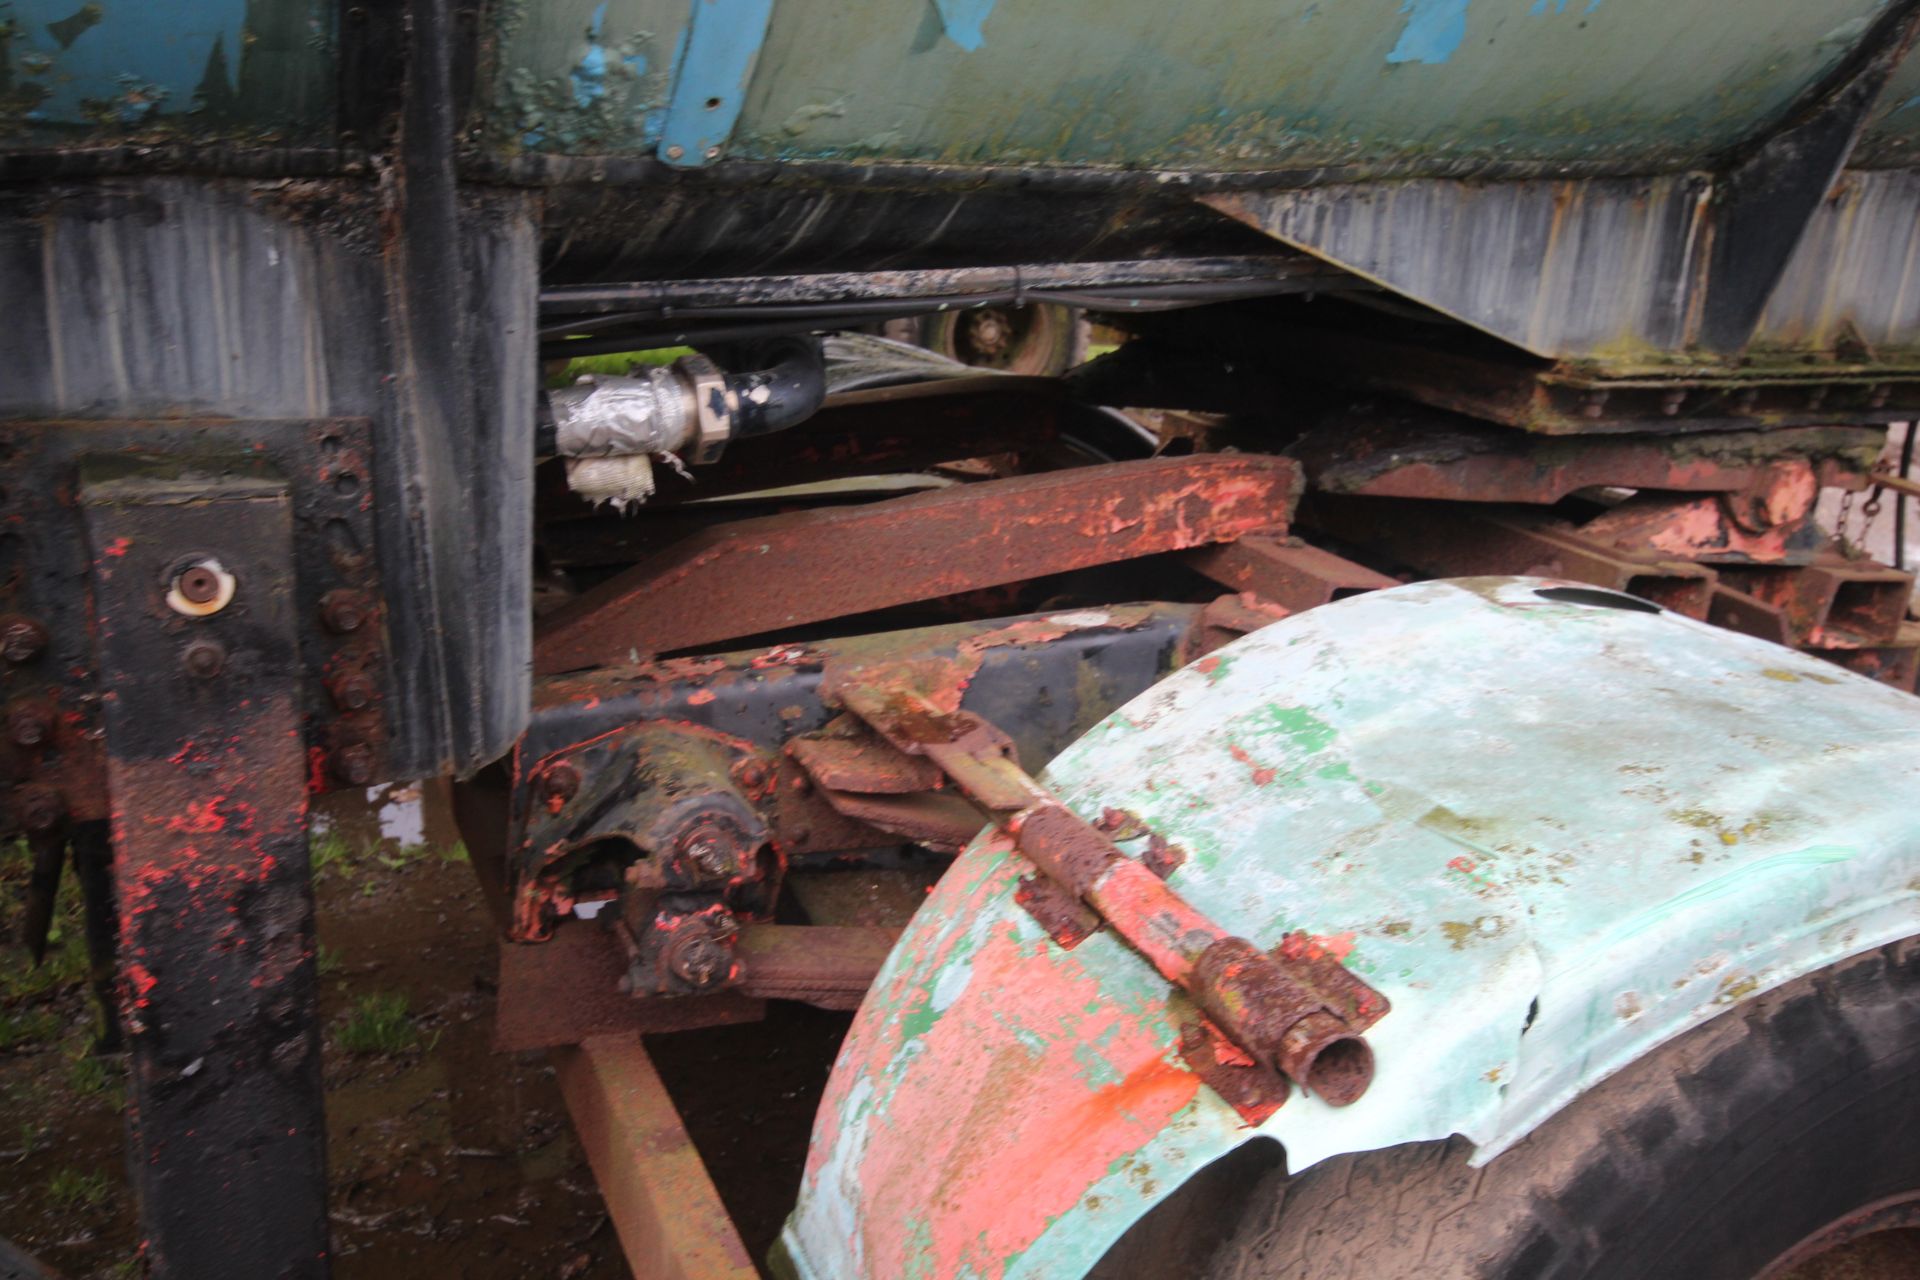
(1292, 1012)
(207, 774)
(710, 84)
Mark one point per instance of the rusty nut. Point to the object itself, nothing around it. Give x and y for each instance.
(30, 725)
(22, 640)
(343, 611)
(353, 765)
(353, 692)
(39, 808)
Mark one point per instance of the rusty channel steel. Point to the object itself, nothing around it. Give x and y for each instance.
(1289, 1010)
(669, 1217)
(741, 579)
(208, 779)
(1411, 455)
(1285, 571)
(1468, 540)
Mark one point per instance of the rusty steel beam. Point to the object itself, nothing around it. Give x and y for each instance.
(1440, 456)
(1456, 540)
(1286, 571)
(568, 989)
(782, 571)
(828, 966)
(659, 1194)
(1833, 603)
(199, 652)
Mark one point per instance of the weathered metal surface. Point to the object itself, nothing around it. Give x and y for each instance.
(1294, 1012)
(51, 688)
(829, 966)
(189, 311)
(1608, 270)
(659, 1195)
(1832, 603)
(579, 791)
(1895, 663)
(740, 580)
(1235, 86)
(1471, 540)
(567, 990)
(1467, 798)
(167, 71)
(208, 776)
(1415, 455)
(1287, 572)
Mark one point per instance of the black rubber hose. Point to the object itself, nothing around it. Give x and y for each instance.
(785, 393)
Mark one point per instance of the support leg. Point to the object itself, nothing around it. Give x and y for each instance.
(198, 653)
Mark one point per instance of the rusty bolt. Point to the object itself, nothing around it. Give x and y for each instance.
(561, 784)
(199, 584)
(201, 589)
(353, 692)
(343, 611)
(22, 640)
(698, 958)
(353, 765)
(39, 808)
(29, 725)
(204, 658)
(753, 774)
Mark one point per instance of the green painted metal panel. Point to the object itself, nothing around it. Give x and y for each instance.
(1553, 835)
(1212, 84)
(584, 77)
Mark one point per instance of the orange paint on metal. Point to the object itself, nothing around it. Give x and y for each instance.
(989, 1114)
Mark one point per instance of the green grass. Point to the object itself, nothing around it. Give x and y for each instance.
(90, 1073)
(379, 1022)
(327, 850)
(22, 1027)
(73, 1191)
(326, 961)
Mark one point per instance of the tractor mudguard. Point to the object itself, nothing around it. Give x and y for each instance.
(1552, 825)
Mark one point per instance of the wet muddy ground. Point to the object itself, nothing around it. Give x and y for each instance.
(446, 1159)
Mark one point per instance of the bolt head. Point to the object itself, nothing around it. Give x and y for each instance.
(343, 612)
(39, 808)
(199, 584)
(204, 659)
(675, 151)
(22, 640)
(353, 765)
(561, 784)
(29, 726)
(700, 960)
(353, 692)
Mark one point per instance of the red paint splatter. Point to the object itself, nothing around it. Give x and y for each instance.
(118, 547)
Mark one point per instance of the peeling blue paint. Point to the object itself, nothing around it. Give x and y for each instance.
(964, 21)
(1434, 30)
(590, 73)
(1559, 6)
(127, 61)
(710, 81)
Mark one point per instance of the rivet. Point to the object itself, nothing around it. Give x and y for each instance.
(675, 151)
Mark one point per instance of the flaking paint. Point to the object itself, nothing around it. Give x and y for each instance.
(1508, 823)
